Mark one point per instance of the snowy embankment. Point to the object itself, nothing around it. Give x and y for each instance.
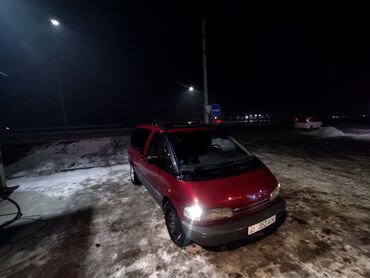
(331, 132)
(62, 169)
(63, 156)
(103, 226)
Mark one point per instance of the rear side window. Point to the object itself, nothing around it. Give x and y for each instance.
(139, 138)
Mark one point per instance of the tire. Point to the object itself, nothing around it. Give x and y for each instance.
(174, 226)
(134, 179)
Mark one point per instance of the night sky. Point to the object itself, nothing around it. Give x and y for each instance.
(120, 64)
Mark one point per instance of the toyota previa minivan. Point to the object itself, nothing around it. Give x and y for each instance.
(212, 190)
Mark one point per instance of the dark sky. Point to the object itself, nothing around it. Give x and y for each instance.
(118, 63)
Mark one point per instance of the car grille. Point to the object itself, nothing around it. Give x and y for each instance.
(251, 207)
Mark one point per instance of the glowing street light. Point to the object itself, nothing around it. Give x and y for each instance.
(54, 22)
(191, 89)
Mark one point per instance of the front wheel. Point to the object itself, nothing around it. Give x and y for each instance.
(174, 226)
(134, 179)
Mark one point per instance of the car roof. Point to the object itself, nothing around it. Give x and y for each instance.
(172, 127)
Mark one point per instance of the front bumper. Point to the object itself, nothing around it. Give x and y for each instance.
(236, 230)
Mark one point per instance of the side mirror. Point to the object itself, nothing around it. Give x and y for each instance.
(153, 159)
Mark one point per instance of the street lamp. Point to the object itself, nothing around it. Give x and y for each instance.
(191, 88)
(56, 23)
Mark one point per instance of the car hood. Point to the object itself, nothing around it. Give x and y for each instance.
(236, 191)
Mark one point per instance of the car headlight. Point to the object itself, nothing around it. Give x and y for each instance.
(196, 213)
(275, 193)
(193, 212)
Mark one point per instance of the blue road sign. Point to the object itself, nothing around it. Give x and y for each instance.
(216, 110)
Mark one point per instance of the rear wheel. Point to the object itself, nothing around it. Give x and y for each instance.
(134, 179)
(174, 226)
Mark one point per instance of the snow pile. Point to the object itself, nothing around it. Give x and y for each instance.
(359, 130)
(66, 184)
(329, 132)
(62, 156)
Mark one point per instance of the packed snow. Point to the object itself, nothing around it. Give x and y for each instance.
(329, 131)
(101, 225)
(60, 156)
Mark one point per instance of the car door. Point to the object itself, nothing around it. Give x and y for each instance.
(159, 168)
(137, 148)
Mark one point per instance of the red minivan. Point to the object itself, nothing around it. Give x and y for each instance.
(212, 189)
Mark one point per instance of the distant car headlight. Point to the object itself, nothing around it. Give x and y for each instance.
(196, 213)
(275, 193)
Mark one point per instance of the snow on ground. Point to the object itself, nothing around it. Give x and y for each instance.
(62, 156)
(66, 184)
(329, 131)
(101, 225)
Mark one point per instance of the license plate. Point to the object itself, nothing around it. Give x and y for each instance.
(261, 225)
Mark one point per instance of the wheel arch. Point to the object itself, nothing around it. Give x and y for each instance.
(165, 200)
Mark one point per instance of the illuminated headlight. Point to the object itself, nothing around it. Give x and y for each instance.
(275, 193)
(195, 213)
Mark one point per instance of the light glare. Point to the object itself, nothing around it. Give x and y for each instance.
(191, 89)
(193, 213)
(54, 22)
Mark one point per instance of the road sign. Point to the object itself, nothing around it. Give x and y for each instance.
(216, 110)
(208, 108)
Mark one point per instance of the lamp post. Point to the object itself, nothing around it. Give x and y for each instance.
(3, 185)
(2, 174)
(55, 24)
(204, 62)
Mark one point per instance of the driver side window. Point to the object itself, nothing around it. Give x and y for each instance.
(158, 147)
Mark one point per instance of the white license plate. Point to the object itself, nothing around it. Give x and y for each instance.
(261, 225)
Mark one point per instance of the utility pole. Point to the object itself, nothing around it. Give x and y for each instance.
(3, 186)
(204, 60)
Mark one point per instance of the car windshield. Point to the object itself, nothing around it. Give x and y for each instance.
(204, 150)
